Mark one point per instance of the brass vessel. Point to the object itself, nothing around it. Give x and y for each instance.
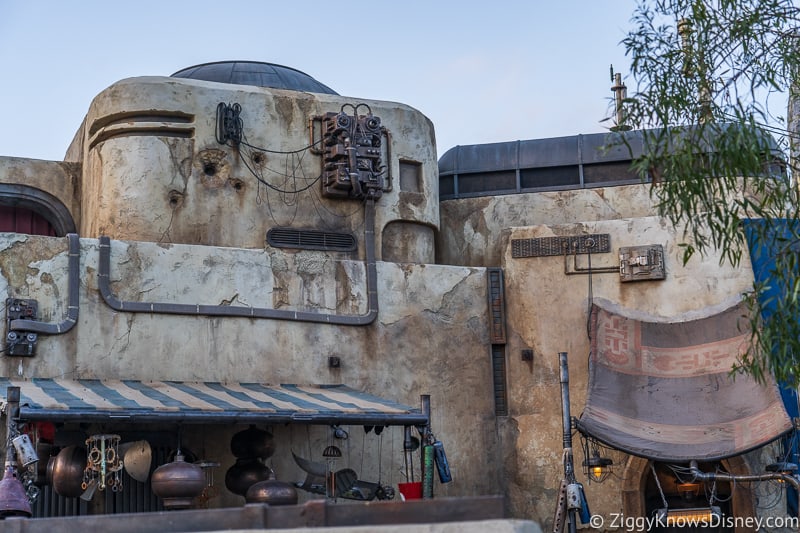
(178, 483)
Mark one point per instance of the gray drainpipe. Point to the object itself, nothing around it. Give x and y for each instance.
(72, 300)
(104, 285)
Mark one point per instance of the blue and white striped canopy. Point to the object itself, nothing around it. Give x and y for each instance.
(203, 402)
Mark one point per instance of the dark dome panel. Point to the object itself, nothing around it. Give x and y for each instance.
(255, 73)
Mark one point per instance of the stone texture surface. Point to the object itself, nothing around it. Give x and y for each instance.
(409, 351)
(154, 171)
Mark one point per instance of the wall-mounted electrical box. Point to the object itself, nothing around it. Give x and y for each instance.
(21, 343)
(639, 263)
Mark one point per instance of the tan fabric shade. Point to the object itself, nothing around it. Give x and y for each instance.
(664, 391)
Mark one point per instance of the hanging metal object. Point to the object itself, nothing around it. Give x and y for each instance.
(178, 483)
(26, 454)
(253, 442)
(272, 492)
(137, 456)
(331, 454)
(209, 491)
(13, 498)
(244, 473)
(103, 463)
(67, 471)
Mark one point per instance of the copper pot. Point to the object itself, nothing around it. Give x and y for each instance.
(178, 483)
(272, 492)
(66, 474)
(253, 442)
(245, 473)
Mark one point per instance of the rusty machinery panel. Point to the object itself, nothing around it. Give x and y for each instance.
(351, 155)
(21, 343)
(549, 246)
(640, 263)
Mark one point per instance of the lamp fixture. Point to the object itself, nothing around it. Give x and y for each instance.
(708, 516)
(688, 491)
(597, 468)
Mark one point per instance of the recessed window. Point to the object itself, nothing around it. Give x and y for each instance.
(410, 176)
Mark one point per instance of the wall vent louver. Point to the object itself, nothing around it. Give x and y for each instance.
(306, 239)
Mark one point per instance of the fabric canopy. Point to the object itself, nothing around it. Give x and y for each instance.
(204, 402)
(663, 390)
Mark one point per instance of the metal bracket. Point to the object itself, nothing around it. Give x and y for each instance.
(21, 343)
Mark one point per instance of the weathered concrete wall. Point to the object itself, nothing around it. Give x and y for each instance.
(48, 187)
(547, 312)
(471, 228)
(154, 171)
(407, 352)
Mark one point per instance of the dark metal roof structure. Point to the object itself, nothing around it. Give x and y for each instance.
(255, 73)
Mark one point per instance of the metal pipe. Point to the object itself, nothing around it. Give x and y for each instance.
(425, 449)
(12, 412)
(565, 413)
(104, 286)
(569, 470)
(73, 297)
(794, 481)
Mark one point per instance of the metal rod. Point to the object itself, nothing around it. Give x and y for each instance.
(12, 409)
(569, 471)
(425, 407)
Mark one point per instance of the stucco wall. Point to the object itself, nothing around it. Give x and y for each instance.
(547, 312)
(408, 351)
(471, 228)
(154, 171)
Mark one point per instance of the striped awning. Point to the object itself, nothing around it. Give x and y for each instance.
(203, 402)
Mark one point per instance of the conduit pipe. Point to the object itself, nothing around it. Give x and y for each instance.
(104, 285)
(72, 299)
(716, 476)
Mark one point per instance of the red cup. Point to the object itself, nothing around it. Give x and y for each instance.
(411, 491)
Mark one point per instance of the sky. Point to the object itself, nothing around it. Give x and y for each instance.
(481, 71)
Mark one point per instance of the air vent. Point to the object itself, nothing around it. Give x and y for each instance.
(308, 239)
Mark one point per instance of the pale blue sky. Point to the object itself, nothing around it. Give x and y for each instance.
(481, 71)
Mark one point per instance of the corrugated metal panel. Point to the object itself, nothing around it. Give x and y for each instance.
(204, 402)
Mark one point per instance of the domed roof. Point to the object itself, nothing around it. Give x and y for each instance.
(254, 73)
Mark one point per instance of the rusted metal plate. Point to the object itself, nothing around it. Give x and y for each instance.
(596, 243)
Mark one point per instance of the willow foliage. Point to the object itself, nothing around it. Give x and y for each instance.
(712, 79)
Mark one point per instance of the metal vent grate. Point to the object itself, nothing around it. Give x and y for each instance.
(548, 246)
(499, 378)
(497, 315)
(307, 239)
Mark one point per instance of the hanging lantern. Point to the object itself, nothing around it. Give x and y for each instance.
(331, 454)
(597, 468)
